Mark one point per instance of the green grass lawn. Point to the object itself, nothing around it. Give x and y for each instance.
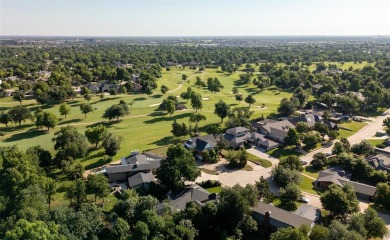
(375, 142)
(354, 126)
(307, 186)
(282, 153)
(214, 189)
(143, 129)
(262, 162)
(309, 170)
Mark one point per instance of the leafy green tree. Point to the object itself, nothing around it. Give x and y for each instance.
(214, 85)
(290, 233)
(179, 130)
(291, 162)
(148, 91)
(18, 96)
(49, 186)
(382, 196)
(310, 139)
(362, 148)
(292, 138)
(123, 90)
(140, 232)
(283, 176)
(320, 161)
(116, 111)
(344, 196)
(111, 144)
(196, 101)
(318, 232)
(19, 114)
(114, 91)
(169, 106)
(39, 230)
(250, 100)
(290, 194)
(178, 167)
(69, 142)
(164, 89)
(302, 127)
(196, 118)
(86, 108)
(386, 123)
(337, 231)
(76, 191)
(187, 94)
(221, 109)
(234, 207)
(97, 184)
(121, 230)
(264, 190)
(96, 134)
(5, 118)
(239, 97)
(321, 128)
(287, 107)
(184, 77)
(46, 119)
(373, 224)
(64, 109)
(41, 97)
(235, 90)
(301, 95)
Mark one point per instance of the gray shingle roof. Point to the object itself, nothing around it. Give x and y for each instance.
(237, 130)
(280, 125)
(140, 178)
(282, 215)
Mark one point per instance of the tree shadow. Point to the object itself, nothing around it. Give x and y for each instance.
(95, 155)
(166, 118)
(157, 96)
(104, 123)
(98, 163)
(69, 121)
(140, 99)
(26, 135)
(165, 141)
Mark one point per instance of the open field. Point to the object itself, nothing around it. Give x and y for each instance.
(144, 128)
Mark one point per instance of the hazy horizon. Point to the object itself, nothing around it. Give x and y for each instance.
(190, 18)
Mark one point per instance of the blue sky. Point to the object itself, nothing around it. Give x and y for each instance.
(194, 18)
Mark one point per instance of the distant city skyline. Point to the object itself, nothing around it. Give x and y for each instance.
(194, 18)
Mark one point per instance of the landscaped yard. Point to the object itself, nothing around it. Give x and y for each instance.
(375, 142)
(353, 126)
(214, 189)
(262, 162)
(282, 153)
(307, 186)
(309, 170)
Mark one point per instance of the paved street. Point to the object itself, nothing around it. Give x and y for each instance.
(366, 132)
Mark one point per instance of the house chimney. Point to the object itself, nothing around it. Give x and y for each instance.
(267, 220)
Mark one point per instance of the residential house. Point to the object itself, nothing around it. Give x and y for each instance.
(308, 118)
(380, 162)
(276, 131)
(236, 137)
(272, 217)
(193, 193)
(141, 180)
(131, 165)
(201, 144)
(316, 87)
(239, 136)
(340, 177)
